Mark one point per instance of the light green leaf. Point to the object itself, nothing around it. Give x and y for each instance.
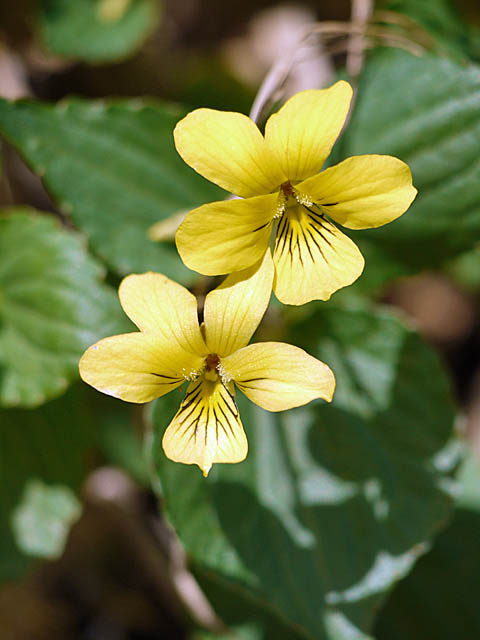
(52, 307)
(114, 168)
(469, 481)
(88, 30)
(43, 518)
(426, 111)
(334, 502)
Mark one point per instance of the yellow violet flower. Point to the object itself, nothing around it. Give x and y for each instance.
(171, 348)
(278, 178)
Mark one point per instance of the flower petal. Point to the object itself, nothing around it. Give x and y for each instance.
(234, 310)
(207, 427)
(363, 191)
(303, 132)
(161, 307)
(136, 367)
(279, 376)
(226, 236)
(228, 149)
(313, 258)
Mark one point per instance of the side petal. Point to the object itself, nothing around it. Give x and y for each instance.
(227, 236)
(279, 376)
(303, 132)
(234, 310)
(161, 307)
(207, 427)
(228, 149)
(135, 367)
(363, 192)
(313, 258)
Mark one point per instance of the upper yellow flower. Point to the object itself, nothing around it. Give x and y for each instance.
(278, 177)
(171, 348)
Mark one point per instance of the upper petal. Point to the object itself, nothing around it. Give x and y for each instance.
(228, 149)
(136, 367)
(313, 258)
(207, 427)
(227, 236)
(162, 307)
(234, 310)
(279, 376)
(363, 191)
(302, 133)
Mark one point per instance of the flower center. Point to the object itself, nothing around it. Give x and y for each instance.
(290, 198)
(288, 190)
(212, 362)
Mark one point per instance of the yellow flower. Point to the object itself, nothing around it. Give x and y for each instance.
(172, 348)
(278, 178)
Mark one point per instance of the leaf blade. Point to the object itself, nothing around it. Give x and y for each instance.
(52, 308)
(334, 503)
(113, 167)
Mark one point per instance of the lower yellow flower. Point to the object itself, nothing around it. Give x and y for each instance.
(172, 348)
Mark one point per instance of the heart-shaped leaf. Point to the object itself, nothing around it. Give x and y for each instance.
(114, 168)
(52, 307)
(334, 503)
(426, 111)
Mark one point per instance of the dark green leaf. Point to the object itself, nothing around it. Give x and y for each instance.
(50, 443)
(83, 28)
(441, 19)
(334, 503)
(52, 307)
(446, 579)
(246, 618)
(119, 440)
(115, 169)
(466, 269)
(439, 599)
(427, 112)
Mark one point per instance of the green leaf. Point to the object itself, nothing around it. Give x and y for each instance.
(52, 307)
(43, 518)
(50, 444)
(439, 599)
(83, 29)
(446, 577)
(439, 17)
(334, 502)
(426, 111)
(465, 269)
(120, 441)
(245, 617)
(114, 167)
(469, 480)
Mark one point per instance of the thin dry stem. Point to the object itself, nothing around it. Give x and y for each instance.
(361, 13)
(369, 34)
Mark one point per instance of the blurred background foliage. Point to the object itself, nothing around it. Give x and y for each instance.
(355, 520)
